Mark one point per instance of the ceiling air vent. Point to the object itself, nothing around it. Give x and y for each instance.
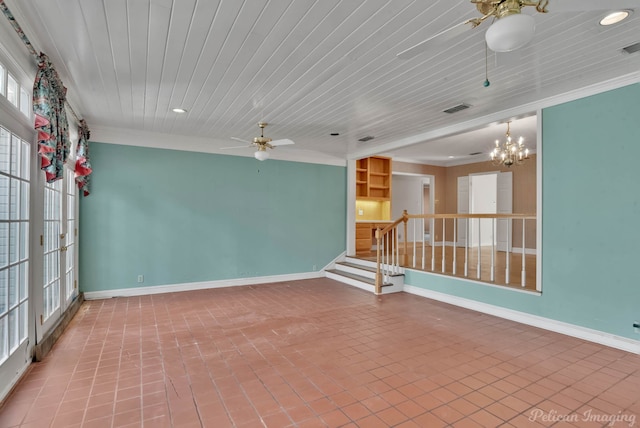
(475, 153)
(632, 48)
(367, 138)
(457, 108)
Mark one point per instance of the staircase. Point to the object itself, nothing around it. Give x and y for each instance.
(362, 273)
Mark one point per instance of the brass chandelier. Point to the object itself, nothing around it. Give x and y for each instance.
(509, 152)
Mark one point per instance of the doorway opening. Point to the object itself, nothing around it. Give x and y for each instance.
(483, 193)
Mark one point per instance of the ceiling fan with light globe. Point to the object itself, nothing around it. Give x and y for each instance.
(262, 143)
(512, 29)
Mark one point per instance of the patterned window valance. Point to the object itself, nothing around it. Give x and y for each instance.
(49, 96)
(83, 164)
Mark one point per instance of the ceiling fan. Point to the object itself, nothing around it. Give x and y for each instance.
(511, 29)
(262, 143)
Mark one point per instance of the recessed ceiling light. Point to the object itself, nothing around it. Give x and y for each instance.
(451, 157)
(178, 110)
(615, 17)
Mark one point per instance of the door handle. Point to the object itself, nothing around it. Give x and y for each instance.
(63, 248)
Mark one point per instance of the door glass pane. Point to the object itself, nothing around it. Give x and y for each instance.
(14, 199)
(4, 197)
(15, 155)
(13, 242)
(4, 339)
(13, 287)
(13, 330)
(4, 291)
(5, 139)
(24, 281)
(24, 201)
(24, 321)
(4, 245)
(26, 160)
(23, 242)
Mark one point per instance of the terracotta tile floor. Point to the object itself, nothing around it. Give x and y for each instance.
(317, 353)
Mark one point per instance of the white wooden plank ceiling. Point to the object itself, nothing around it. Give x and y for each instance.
(308, 67)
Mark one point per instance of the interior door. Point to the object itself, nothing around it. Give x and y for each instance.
(504, 204)
(463, 208)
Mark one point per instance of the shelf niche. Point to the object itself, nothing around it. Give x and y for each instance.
(373, 178)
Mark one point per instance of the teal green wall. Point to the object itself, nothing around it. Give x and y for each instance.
(591, 214)
(178, 217)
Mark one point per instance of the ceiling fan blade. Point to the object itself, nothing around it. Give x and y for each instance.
(283, 142)
(441, 37)
(241, 140)
(236, 147)
(586, 5)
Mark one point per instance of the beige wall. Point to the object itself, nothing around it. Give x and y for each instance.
(446, 191)
(440, 187)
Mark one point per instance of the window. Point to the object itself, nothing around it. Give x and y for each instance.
(12, 90)
(15, 93)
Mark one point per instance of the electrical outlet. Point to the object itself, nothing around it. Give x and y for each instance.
(140, 278)
(360, 212)
(314, 268)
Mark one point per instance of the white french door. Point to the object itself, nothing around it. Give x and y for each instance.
(58, 252)
(71, 233)
(15, 319)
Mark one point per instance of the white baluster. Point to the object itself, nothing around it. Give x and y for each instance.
(524, 270)
(493, 249)
(466, 249)
(444, 221)
(396, 267)
(433, 248)
(385, 254)
(414, 242)
(424, 253)
(390, 248)
(455, 242)
(479, 250)
(507, 272)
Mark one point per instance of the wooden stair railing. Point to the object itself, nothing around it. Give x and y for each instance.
(388, 253)
(386, 240)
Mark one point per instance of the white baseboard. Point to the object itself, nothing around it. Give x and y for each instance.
(573, 330)
(190, 286)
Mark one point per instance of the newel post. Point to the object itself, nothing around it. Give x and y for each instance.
(405, 219)
(378, 269)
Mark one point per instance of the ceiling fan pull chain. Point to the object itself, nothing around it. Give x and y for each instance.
(486, 82)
